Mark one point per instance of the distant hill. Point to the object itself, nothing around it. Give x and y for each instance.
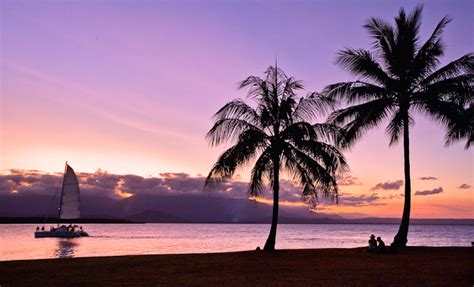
(181, 209)
(41, 220)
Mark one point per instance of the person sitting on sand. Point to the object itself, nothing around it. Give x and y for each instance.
(37, 228)
(372, 244)
(381, 246)
(42, 228)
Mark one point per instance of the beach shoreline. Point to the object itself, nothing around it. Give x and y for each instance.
(413, 266)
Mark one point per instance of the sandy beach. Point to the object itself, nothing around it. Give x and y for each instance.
(415, 266)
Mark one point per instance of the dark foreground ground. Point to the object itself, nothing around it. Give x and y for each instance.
(416, 266)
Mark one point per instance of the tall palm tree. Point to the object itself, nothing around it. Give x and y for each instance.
(397, 79)
(276, 132)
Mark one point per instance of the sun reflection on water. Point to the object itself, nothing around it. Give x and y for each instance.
(65, 248)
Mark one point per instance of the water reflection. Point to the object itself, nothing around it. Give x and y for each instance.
(17, 241)
(65, 248)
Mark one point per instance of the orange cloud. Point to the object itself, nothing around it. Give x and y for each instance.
(118, 189)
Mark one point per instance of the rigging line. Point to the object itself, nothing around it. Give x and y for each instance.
(54, 199)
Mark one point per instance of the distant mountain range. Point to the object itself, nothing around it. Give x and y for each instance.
(182, 209)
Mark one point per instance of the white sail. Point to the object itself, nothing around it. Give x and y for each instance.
(70, 198)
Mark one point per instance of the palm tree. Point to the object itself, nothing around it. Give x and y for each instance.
(397, 79)
(275, 132)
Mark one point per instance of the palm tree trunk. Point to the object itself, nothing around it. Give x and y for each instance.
(400, 239)
(270, 244)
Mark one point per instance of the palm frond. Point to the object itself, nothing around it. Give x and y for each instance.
(263, 166)
(329, 155)
(323, 132)
(313, 106)
(463, 65)
(357, 91)
(459, 121)
(228, 129)
(290, 86)
(360, 62)
(395, 127)
(301, 176)
(383, 34)
(427, 57)
(459, 89)
(323, 179)
(237, 109)
(249, 143)
(358, 119)
(462, 128)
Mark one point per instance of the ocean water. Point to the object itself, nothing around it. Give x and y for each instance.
(17, 240)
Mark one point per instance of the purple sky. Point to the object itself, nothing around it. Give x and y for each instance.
(130, 87)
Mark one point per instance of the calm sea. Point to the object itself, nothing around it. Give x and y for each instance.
(17, 240)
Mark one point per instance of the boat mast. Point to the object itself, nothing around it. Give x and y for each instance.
(62, 192)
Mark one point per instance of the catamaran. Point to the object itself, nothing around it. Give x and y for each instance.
(69, 208)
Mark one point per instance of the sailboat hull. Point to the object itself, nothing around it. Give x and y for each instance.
(57, 233)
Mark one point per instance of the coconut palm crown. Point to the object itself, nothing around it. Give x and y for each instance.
(398, 78)
(275, 132)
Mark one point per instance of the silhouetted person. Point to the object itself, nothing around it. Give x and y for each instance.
(381, 246)
(42, 228)
(372, 244)
(37, 228)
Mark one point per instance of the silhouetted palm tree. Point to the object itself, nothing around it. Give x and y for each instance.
(276, 132)
(400, 77)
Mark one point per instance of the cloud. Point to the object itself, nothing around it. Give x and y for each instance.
(348, 199)
(429, 192)
(104, 192)
(102, 183)
(428, 178)
(164, 184)
(362, 200)
(389, 185)
(19, 181)
(393, 196)
(118, 186)
(464, 186)
(348, 180)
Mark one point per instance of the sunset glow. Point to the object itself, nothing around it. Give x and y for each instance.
(131, 90)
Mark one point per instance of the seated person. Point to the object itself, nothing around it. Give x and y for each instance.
(372, 244)
(381, 246)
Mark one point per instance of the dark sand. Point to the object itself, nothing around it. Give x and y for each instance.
(416, 266)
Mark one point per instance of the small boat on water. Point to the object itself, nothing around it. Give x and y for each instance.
(62, 231)
(69, 208)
